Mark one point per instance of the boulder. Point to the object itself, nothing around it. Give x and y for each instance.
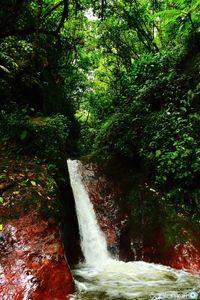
(32, 261)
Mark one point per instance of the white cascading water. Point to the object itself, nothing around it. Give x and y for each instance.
(102, 277)
(93, 242)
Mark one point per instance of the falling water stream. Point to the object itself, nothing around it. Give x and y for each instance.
(103, 277)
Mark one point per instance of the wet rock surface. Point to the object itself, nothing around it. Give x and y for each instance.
(104, 195)
(32, 260)
(32, 264)
(137, 225)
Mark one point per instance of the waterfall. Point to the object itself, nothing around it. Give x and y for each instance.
(93, 243)
(101, 277)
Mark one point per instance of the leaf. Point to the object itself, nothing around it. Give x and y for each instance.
(51, 166)
(23, 135)
(1, 227)
(158, 153)
(16, 193)
(4, 69)
(2, 176)
(25, 182)
(33, 183)
(21, 175)
(1, 199)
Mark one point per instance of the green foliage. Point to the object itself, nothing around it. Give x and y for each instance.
(45, 137)
(39, 45)
(177, 19)
(171, 152)
(130, 78)
(14, 125)
(86, 140)
(154, 120)
(50, 138)
(114, 136)
(120, 129)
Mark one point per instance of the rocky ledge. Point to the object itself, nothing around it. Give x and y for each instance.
(32, 261)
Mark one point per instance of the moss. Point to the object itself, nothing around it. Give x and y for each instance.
(26, 185)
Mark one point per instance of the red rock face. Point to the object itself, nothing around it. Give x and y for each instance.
(104, 196)
(32, 262)
(147, 240)
(184, 256)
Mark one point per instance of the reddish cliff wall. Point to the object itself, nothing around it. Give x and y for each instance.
(137, 224)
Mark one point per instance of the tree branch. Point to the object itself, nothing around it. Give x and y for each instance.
(145, 37)
(65, 15)
(52, 9)
(191, 21)
(102, 9)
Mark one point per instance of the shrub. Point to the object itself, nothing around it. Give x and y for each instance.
(44, 137)
(171, 153)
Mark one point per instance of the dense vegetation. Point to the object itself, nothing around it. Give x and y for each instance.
(121, 78)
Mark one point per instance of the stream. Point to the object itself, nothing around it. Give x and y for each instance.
(101, 276)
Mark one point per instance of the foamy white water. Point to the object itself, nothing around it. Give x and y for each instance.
(102, 277)
(93, 243)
